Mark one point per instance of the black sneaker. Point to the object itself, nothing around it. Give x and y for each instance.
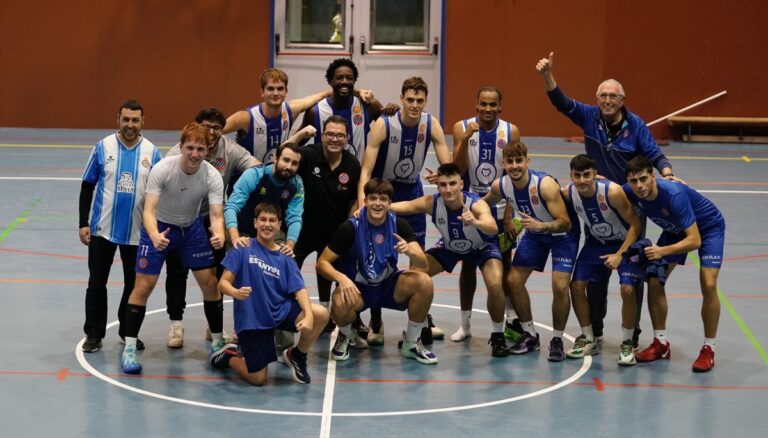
(298, 364)
(426, 335)
(498, 345)
(220, 358)
(360, 328)
(139, 343)
(636, 337)
(556, 350)
(527, 344)
(91, 344)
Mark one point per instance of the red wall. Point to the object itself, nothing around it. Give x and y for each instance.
(71, 64)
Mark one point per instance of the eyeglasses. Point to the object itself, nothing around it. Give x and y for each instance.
(332, 136)
(214, 128)
(610, 96)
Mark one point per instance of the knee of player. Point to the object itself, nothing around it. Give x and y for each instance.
(259, 378)
(320, 314)
(627, 291)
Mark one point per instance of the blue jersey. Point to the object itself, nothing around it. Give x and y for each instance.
(258, 184)
(456, 236)
(273, 278)
(610, 154)
(602, 223)
(528, 199)
(485, 160)
(120, 175)
(372, 259)
(356, 114)
(677, 207)
(265, 134)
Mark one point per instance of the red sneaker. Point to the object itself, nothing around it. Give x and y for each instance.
(655, 351)
(706, 360)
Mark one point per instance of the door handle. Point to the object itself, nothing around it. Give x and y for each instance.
(435, 47)
(362, 45)
(277, 44)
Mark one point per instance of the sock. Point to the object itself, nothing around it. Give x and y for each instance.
(587, 331)
(214, 313)
(130, 341)
(414, 330)
(497, 327)
(298, 354)
(376, 316)
(707, 341)
(510, 310)
(627, 333)
(134, 317)
(661, 335)
(176, 323)
(466, 316)
(528, 327)
(346, 330)
(557, 333)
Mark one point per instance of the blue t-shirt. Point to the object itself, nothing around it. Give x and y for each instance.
(677, 207)
(273, 278)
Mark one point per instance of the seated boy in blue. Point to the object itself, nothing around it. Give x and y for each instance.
(269, 294)
(690, 221)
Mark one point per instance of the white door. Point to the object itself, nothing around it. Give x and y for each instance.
(389, 41)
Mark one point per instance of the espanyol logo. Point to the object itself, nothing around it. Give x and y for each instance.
(285, 125)
(378, 239)
(501, 143)
(535, 200)
(420, 138)
(143, 263)
(603, 206)
(285, 194)
(357, 119)
(343, 178)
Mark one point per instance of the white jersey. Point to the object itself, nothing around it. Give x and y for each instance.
(180, 194)
(266, 134)
(120, 175)
(601, 221)
(457, 236)
(485, 155)
(527, 200)
(402, 153)
(357, 117)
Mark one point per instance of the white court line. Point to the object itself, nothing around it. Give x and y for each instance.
(330, 385)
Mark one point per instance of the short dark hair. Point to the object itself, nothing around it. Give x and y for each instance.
(267, 207)
(340, 62)
(338, 120)
(582, 162)
(639, 164)
(448, 169)
(287, 145)
(518, 149)
(211, 114)
(132, 105)
(490, 90)
(416, 84)
(378, 186)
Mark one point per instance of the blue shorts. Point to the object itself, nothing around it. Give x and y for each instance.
(710, 252)
(534, 248)
(192, 242)
(478, 257)
(258, 346)
(382, 295)
(590, 267)
(408, 192)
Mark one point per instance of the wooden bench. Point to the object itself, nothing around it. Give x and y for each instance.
(719, 129)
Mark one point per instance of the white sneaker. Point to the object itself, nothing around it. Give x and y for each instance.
(357, 341)
(583, 347)
(627, 354)
(176, 335)
(415, 350)
(461, 335)
(376, 338)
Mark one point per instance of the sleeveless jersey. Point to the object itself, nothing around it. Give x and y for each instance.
(356, 115)
(266, 134)
(120, 175)
(456, 236)
(528, 200)
(372, 258)
(485, 155)
(401, 155)
(601, 221)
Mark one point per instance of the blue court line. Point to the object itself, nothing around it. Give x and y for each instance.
(12, 226)
(736, 317)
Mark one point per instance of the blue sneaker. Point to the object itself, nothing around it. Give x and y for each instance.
(298, 365)
(527, 344)
(129, 361)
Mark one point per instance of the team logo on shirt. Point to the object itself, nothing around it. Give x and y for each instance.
(420, 138)
(343, 178)
(220, 164)
(285, 194)
(501, 143)
(145, 162)
(356, 109)
(534, 200)
(143, 263)
(603, 206)
(259, 131)
(265, 267)
(533, 190)
(460, 246)
(125, 184)
(378, 239)
(284, 126)
(472, 142)
(357, 119)
(600, 198)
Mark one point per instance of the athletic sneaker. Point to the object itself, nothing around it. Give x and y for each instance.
(359, 341)
(513, 330)
(705, 361)
(416, 350)
(654, 351)
(556, 352)
(461, 335)
(220, 358)
(229, 339)
(340, 349)
(376, 337)
(298, 365)
(360, 328)
(498, 345)
(176, 335)
(437, 332)
(130, 362)
(582, 347)
(91, 344)
(139, 344)
(526, 344)
(426, 335)
(636, 337)
(627, 354)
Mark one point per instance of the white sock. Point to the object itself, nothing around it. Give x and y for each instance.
(587, 331)
(414, 330)
(346, 330)
(497, 327)
(460, 335)
(177, 323)
(627, 333)
(557, 333)
(710, 342)
(511, 314)
(130, 341)
(466, 316)
(528, 327)
(217, 338)
(661, 335)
